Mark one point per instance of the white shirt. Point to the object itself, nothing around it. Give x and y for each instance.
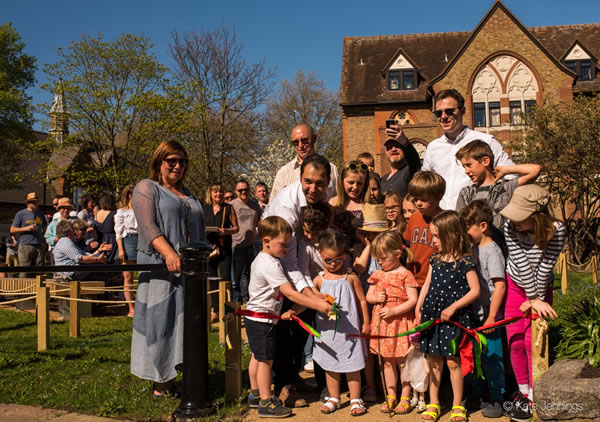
(440, 157)
(266, 275)
(125, 223)
(309, 256)
(288, 205)
(290, 173)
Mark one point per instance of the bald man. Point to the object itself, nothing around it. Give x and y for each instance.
(303, 140)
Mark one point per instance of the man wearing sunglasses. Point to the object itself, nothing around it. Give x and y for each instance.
(248, 215)
(441, 152)
(303, 142)
(404, 162)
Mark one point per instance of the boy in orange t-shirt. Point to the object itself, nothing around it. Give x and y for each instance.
(427, 187)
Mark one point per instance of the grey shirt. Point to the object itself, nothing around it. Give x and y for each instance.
(25, 218)
(248, 216)
(490, 265)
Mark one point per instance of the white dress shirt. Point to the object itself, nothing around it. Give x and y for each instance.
(440, 157)
(288, 204)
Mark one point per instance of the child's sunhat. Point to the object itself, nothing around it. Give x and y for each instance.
(373, 219)
(526, 200)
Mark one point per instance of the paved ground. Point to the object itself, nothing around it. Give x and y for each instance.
(20, 413)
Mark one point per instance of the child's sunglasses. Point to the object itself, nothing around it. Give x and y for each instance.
(336, 260)
(357, 166)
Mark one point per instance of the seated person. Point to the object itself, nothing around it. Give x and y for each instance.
(66, 252)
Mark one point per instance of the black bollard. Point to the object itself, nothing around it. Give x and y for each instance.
(194, 397)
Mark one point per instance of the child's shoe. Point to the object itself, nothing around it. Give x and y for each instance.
(521, 408)
(491, 410)
(272, 409)
(253, 401)
(421, 406)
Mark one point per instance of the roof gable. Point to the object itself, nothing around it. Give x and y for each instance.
(578, 52)
(401, 61)
(498, 5)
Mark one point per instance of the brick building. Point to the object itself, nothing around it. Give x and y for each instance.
(501, 67)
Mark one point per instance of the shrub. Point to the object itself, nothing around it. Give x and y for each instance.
(580, 331)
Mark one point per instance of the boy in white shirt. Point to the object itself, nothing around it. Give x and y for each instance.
(268, 285)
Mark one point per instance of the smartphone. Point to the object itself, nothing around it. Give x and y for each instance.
(390, 122)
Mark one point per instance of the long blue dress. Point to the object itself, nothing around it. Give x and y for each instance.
(157, 340)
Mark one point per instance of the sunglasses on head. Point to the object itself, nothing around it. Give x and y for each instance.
(357, 166)
(303, 141)
(171, 162)
(449, 112)
(336, 260)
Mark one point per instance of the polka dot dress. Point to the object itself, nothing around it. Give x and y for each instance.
(448, 284)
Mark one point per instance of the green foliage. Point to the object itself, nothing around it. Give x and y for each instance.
(90, 374)
(564, 139)
(17, 71)
(120, 105)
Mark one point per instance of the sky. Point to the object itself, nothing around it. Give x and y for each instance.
(288, 35)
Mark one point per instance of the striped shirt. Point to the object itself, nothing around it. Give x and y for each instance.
(529, 266)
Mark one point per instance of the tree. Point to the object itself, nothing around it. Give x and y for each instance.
(564, 139)
(305, 99)
(226, 94)
(120, 107)
(275, 155)
(17, 71)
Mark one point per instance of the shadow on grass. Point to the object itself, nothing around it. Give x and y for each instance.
(18, 327)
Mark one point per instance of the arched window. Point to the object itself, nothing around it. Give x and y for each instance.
(501, 90)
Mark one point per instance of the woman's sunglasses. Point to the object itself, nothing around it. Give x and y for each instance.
(171, 162)
(357, 166)
(336, 260)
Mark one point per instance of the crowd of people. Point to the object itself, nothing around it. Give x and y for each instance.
(464, 239)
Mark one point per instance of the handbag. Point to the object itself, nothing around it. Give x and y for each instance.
(216, 250)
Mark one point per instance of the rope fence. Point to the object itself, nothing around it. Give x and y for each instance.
(563, 266)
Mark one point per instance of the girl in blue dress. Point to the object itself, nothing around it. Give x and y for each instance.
(450, 287)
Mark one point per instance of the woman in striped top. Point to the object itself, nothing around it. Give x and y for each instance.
(534, 241)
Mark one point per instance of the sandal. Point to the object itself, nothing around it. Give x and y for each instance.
(369, 394)
(403, 408)
(434, 415)
(421, 406)
(460, 415)
(390, 403)
(331, 405)
(359, 405)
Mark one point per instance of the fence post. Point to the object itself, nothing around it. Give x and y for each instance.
(563, 281)
(74, 309)
(233, 355)
(194, 398)
(595, 269)
(224, 289)
(42, 313)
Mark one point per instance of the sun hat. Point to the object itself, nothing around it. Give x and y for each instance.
(373, 219)
(525, 201)
(32, 196)
(65, 203)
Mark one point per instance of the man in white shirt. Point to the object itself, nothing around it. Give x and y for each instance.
(303, 141)
(440, 153)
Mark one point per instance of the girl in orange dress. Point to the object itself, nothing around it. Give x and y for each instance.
(394, 292)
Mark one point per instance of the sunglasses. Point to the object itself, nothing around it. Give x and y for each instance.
(392, 144)
(228, 198)
(303, 141)
(449, 112)
(357, 166)
(171, 162)
(336, 260)
(243, 190)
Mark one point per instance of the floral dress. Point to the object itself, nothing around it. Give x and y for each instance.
(394, 285)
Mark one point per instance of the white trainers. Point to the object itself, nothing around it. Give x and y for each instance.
(310, 366)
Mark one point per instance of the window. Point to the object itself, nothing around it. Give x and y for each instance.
(529, 106)
(479, 109)
(515, 113)
(582, 68)
(402, 80)
(494, 113)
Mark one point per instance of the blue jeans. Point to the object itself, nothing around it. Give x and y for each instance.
(492, 364)
(241, 260)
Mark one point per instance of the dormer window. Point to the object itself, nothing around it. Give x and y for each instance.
(580, 62)
(401, 79)
(401, 74)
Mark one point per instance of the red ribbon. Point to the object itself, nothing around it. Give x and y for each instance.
(266, 315)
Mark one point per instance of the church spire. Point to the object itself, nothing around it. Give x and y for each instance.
(59, 127)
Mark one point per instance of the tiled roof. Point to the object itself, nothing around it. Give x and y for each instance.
(364, 59)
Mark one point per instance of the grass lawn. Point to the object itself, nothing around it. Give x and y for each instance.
(90, 374)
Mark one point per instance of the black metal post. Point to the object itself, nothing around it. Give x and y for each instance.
(194, 399)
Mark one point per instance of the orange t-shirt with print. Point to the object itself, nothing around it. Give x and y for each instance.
(418, 235)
